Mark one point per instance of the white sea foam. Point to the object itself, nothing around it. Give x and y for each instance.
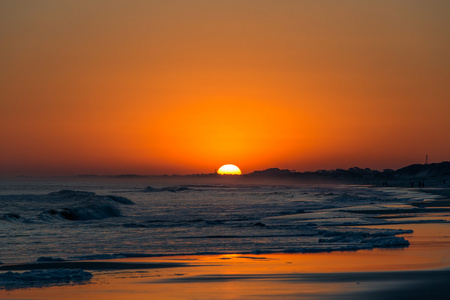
(48, 258)
(43, 278)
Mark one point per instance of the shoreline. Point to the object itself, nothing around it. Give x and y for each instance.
(419, 271)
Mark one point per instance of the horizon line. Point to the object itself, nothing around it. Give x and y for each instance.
(130, 175)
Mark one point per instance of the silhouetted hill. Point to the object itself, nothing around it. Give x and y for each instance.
(416, 175)
(436, 174)
(437, 169)
(272, 172)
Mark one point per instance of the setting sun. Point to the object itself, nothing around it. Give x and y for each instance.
(229, 170)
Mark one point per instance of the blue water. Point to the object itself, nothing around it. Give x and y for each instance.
(93, 218)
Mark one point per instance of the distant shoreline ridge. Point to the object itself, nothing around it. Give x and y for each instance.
(415, 175)
(414, 168)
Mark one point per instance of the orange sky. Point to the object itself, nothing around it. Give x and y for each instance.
(182, 87)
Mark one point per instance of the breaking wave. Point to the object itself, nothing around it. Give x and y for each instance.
(80, 205)
(89, 212)
(173, 189)
(82, 195)
(11, 217)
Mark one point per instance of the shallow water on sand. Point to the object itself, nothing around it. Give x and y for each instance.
(370, 274)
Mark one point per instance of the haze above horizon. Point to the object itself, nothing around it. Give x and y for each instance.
(183, 87)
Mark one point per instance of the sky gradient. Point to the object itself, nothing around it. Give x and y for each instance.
(183, 87)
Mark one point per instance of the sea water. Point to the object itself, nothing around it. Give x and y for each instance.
(101, 218)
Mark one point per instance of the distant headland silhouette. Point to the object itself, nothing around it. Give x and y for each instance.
(415, 176)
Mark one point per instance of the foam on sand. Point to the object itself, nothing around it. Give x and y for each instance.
(43, 278)
(90, 265)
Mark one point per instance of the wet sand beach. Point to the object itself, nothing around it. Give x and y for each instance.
(420, 271)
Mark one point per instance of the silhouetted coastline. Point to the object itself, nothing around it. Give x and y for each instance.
(415, 176)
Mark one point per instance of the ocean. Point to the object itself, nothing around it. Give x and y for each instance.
(101, 218)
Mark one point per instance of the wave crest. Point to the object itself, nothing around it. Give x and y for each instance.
(172, 189)
(90, 212)
(11, 217)
(81, 205)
